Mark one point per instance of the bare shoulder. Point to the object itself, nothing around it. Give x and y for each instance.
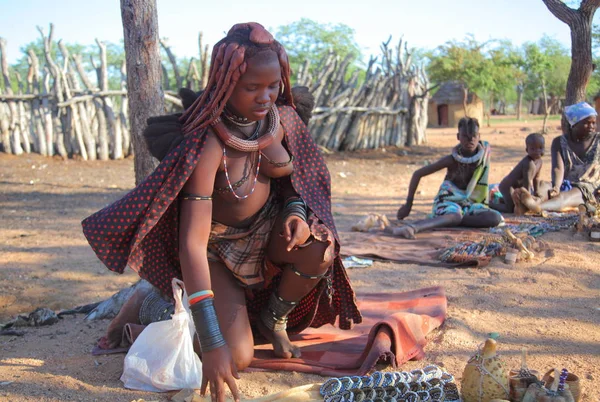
(447, 161)
(202, 179)
(556, 143)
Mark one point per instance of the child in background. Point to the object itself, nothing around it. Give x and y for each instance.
(525, 175)
(463, 197)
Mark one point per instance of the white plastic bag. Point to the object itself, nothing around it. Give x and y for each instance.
(162, 358)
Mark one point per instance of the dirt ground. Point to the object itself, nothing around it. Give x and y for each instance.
(550, 305)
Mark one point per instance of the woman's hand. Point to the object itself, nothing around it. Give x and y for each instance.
(554, 192)
(218, 369)
(403, 212)
(295, 231)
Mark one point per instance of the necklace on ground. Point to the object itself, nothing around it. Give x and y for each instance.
(240, 197)
(249, 145)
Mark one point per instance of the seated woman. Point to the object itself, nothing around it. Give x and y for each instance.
(240, 208)
(575, 164)
(463, 197)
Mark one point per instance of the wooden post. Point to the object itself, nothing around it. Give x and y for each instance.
(33, 79)
(57, 88)
(72, 111)
(14, 127)
(21, 119)
(140, 31)
(173, 60)
(4, 109)
(204, 67)
(127, 145)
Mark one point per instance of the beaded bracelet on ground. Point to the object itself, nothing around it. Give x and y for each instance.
(430, 384)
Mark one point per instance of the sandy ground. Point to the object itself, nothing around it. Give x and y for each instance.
(550, 305)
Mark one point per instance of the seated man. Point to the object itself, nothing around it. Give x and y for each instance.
(463, 197)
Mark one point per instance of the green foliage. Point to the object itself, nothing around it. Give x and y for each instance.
(495, 69)
(309, 40)
(489, 69)
(547, 61)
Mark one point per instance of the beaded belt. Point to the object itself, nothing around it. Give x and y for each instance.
(431, 384)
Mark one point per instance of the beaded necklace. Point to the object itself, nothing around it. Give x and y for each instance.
(457, 155)
(243, 197)
(235, 119)
(248, 145)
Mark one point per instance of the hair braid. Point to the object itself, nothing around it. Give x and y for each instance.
(470, 124)
(228, 63)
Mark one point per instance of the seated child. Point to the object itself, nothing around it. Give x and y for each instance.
(463, 197)
(525, 175)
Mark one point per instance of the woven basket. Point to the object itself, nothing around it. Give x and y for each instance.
(572, 381)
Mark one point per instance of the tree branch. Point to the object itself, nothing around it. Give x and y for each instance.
(561, 11)
(589, 6)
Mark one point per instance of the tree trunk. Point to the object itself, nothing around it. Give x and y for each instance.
(140, 31)
(546, 109)
(465, 98)
(519, 100)
(580, 24)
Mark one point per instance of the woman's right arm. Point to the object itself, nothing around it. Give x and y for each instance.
(195, 217)
(558, 167)
(443, 163)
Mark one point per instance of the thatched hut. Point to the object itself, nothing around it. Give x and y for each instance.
(446, 106)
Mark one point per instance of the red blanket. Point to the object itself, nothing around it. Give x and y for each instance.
(408, 316)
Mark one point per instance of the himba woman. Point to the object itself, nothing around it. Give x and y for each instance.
(575, 164)
(239, 208)
(462, 199)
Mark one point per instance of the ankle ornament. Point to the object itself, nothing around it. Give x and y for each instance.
(274, 315)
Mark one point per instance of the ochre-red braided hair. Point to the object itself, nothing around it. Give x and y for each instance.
(227, 64)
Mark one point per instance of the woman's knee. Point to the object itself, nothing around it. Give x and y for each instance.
(454, 218)
(242, 354)
(316, 259)
(490, 218)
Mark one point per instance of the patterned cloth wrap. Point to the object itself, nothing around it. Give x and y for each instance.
(243, 250)
(474, 199)
(141, 229)
(431, 383)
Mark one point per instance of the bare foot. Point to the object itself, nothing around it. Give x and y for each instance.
(282, 346)
(129, 313)
(520, 209)
(408, 232)
(530, 202)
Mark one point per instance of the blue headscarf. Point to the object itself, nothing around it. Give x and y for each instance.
(579, 111)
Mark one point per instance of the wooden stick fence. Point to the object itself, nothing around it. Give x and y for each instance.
(389, 108)
(59, 110)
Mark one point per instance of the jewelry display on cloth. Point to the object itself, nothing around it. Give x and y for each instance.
(249, 145)
(431, 383)
(468, 160)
